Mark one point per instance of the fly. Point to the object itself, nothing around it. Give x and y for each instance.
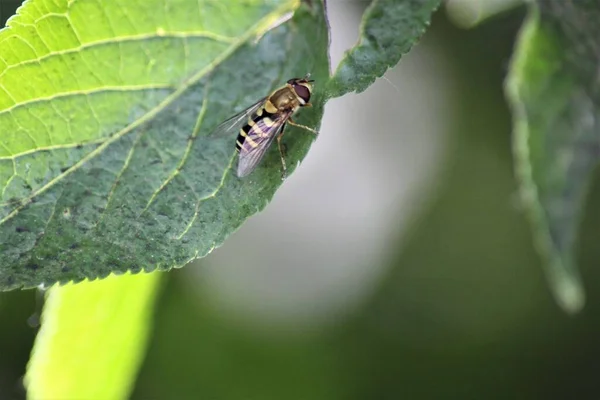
(264, 121)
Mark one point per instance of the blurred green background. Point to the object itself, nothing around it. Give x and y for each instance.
(442, 297)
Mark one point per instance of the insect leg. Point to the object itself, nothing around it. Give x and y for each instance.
(289, 121)
(281, 152)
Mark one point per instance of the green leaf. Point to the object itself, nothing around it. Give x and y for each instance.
(105, 107)
(554, 93)
(389, 29)
(93, 338)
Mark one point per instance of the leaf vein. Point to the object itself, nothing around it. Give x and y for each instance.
(49, 148)
(9, 180)
(119, 175)
(86, 92)
(208, 196)
(117, 40)
(185, 154)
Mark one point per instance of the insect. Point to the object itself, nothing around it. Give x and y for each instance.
(264, 121)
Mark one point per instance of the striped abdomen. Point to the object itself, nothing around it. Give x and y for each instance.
(260, 125)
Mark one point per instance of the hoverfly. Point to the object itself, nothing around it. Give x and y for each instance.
(264, 121)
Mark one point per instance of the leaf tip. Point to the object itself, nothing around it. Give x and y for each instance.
(564, 282)
(569, 294)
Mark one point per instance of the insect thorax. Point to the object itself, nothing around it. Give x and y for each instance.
(284, 99)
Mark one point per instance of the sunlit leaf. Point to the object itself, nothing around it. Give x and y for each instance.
(93, 338)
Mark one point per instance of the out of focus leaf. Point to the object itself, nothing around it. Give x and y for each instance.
(554, 92)
(104, 110)
(93, 338)
(389, 29)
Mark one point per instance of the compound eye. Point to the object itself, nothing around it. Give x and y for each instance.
(302, 92)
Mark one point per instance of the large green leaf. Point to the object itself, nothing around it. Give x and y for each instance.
(554, 92)
(105, 165)
(389, 29)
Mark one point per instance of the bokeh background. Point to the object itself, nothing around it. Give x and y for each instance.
(394, 263)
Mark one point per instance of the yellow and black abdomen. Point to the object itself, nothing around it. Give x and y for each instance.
(259, 127)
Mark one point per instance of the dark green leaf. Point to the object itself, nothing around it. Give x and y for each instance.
(389, 29)
(104, 110)
(554, 92)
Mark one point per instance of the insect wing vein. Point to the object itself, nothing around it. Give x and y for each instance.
(233, 124)
(254, 149)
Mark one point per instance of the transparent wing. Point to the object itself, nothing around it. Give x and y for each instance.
(251, 156)
(235, 123)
